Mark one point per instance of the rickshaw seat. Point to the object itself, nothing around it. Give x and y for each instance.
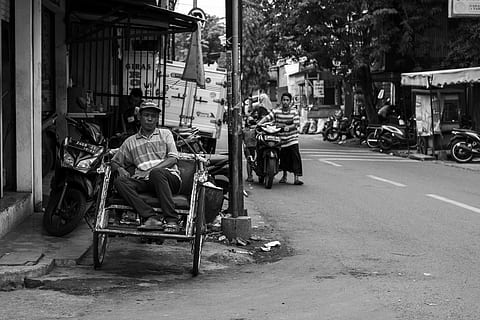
(187, 167)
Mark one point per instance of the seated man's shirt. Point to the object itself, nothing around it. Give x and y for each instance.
(145, 153)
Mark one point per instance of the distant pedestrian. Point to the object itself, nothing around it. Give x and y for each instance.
(288, 119)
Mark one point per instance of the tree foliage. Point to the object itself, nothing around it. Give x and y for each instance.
(348, 36)
(255, 60)
(213, 29)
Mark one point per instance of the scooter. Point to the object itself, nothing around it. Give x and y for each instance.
(390, 136)
(266, 164)
(77, 179)
(464, 145)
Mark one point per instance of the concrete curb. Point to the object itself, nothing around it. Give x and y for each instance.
(13, 277)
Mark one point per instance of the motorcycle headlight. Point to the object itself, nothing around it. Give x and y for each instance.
(84, 164)
(68, 159)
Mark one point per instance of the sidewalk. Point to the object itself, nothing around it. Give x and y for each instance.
(28, 252)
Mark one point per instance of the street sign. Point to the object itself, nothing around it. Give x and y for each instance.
(318, 88)
(463, 8)
(198, 13)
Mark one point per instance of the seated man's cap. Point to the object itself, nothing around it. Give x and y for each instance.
(149, 105)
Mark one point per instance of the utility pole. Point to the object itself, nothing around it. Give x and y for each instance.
(239, 225)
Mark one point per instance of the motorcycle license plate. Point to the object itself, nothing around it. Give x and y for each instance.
(335, 124)
(272, 138)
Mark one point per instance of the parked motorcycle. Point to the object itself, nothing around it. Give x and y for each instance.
(390, 136)
(77, 180)
(339, 127)
(189, 141)
(464, 145)
(266, 164)
(327, 124)
(373, 132)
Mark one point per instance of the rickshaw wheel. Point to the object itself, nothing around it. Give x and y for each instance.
(197, 245)
(100, 241)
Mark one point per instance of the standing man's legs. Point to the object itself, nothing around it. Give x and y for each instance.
(291, 161)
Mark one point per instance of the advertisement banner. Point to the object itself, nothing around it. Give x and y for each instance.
(426, 121)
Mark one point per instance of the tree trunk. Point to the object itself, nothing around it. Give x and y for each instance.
(366, 84)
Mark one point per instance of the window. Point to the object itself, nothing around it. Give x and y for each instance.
(451, 107)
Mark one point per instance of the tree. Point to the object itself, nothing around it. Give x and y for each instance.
(464, 50)
(352, 33)
(255, 62)
(211, 44)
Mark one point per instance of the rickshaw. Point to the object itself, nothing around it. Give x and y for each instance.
(189, 204)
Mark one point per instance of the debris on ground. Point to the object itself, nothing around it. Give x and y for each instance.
(268, 246)
(257, 238)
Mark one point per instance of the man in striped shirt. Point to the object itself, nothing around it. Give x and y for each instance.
(289, 120)
(153, 154)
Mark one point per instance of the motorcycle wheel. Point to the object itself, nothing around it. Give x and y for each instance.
(198, 244)
(372, 141)
(69, 214)
(458, 153)
(100, 241)
(271, 164)
(384, 143)
(332, 134)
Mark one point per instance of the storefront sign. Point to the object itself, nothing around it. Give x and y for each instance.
(318, 88)
(463, 8)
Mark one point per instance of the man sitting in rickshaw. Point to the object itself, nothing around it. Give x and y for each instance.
(153, 154)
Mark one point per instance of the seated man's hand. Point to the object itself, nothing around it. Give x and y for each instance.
(122, 172)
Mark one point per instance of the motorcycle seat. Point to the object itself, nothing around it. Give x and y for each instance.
(218, 159)
(462, 130)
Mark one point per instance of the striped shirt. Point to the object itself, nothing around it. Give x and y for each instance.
(145, 153)
(289, 117)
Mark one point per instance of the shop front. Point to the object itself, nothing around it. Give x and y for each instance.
(442, 100)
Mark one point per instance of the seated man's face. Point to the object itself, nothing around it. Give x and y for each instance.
(149, 119)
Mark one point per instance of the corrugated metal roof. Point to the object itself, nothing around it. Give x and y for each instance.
(441, 78)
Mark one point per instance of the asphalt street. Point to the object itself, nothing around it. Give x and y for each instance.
(373, 236)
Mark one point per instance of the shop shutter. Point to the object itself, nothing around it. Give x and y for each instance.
(5, 10)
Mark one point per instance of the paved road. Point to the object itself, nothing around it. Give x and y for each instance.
(374, 237)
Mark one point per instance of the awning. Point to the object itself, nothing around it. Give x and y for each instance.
(441, 78)
(132, 13)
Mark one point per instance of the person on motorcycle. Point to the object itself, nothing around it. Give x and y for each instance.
(385, 112)
(250, 141)
(289, 120)
(153, 154)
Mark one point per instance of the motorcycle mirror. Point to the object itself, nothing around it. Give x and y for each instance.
(381, 94)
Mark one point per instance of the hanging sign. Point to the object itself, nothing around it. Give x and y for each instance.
(318, 88)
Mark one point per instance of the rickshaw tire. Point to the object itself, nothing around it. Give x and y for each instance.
(99, 249)
(197, 246)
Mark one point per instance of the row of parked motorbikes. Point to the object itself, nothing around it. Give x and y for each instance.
(464, 144)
